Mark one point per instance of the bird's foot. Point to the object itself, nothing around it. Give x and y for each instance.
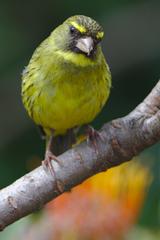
(93, 137)
(49, 156)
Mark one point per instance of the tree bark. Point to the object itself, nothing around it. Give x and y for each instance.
(120, 140)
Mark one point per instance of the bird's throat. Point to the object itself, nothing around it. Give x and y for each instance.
(76, 58)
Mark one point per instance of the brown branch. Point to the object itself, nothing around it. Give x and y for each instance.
(123, 138)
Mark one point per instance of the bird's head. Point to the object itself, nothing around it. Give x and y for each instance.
(80, 35)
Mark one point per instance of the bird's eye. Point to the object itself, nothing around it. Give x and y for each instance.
(96, 41)
(72, 29)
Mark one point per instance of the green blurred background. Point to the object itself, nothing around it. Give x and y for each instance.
(132, 48)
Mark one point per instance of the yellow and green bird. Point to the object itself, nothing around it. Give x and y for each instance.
(67, 80)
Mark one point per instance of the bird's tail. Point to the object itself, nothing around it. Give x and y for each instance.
(62, 143)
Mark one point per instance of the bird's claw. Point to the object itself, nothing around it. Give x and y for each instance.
(93, 137)
(49, 156)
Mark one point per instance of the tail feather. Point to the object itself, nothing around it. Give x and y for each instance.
(62, 143)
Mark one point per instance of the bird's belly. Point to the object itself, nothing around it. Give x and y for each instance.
(69, 108)
(72, 113)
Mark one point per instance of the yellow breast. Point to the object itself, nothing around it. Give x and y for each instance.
(64, 97)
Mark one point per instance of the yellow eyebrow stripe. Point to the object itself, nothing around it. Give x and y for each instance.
(80, 28)
(100, 35)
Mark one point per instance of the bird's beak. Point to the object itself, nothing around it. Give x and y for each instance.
(85, 45)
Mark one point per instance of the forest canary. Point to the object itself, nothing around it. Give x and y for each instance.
(67, 80)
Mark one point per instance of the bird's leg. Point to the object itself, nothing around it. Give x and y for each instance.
(93, 137)
(49, 156)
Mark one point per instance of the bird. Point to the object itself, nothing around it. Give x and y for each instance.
(66, 83)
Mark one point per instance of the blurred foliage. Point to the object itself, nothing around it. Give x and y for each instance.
(131, 46)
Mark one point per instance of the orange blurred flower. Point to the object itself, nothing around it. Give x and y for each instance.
(104, 207)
